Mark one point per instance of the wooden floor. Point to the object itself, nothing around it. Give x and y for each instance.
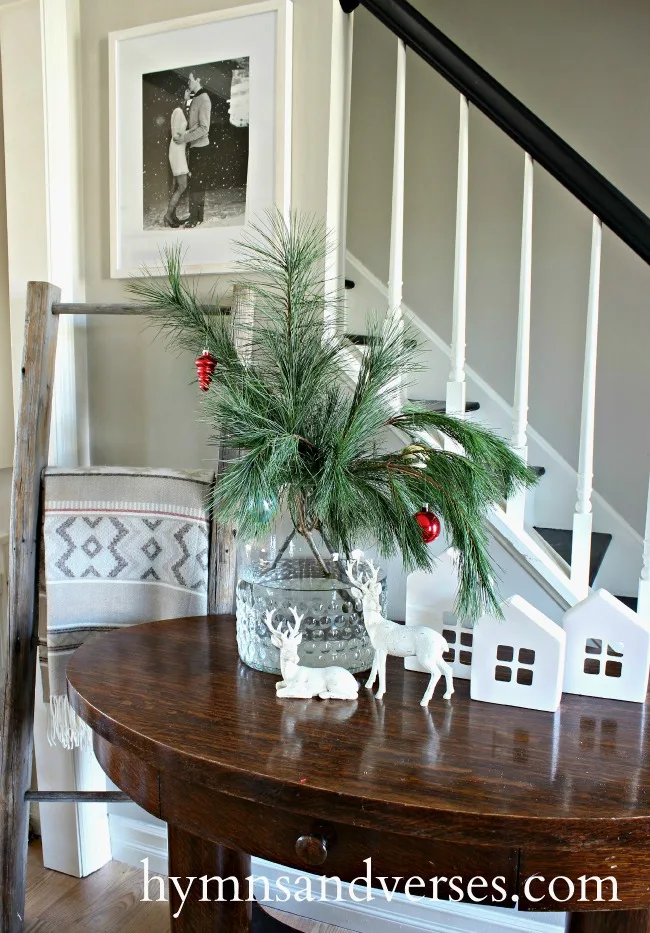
(106, 902)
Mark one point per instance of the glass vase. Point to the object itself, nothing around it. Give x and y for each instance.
(283, 572)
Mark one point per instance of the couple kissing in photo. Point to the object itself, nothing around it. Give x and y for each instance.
(188, 153)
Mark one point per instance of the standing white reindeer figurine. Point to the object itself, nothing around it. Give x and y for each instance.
(329, 683)
(402, 641)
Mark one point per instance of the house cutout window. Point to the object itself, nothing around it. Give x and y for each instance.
(596, 665)
(450, 637)
(522, 668)
(459, 639)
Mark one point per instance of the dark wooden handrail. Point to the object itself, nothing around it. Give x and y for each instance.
(541, 142)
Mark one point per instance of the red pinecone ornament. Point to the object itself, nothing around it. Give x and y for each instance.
(205, 366)
(429, 523)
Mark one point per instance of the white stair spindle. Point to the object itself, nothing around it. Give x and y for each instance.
(395, 271)
(456, 389)
(582, 519)
(643, 607)
(338, 170)
(516, 506)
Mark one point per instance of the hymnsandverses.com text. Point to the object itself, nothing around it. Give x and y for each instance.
(368, 887)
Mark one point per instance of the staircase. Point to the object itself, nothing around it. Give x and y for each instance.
(560, 540)
(596, 546)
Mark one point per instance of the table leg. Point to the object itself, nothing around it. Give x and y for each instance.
(610, 921)
(191, 857)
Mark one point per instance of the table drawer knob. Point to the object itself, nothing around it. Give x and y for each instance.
(312, 849)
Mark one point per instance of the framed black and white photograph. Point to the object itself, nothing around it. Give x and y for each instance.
(200, 134)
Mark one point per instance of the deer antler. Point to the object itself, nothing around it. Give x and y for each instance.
(374, 571)
(292, 630)
(356, 581)
(298, 619)
(274, 631)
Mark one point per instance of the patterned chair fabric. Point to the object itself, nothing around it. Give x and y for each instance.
(122, 546)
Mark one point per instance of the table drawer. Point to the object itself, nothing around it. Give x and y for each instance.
(335, 849)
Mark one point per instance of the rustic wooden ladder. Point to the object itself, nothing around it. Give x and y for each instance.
(30, 458)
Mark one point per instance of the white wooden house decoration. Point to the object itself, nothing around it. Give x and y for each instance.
(518, 661)
(607, 650)
(430, 598)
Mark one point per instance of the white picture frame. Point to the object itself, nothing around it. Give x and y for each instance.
(261, 34)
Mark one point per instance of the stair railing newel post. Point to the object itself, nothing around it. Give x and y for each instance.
(456, 386)
(516, 506)
(30, 459)
(396, 261)
(583, 518)
(643, 606)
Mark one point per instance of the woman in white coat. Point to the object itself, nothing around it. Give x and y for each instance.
(179, 167)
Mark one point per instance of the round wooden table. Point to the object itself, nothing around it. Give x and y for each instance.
(462, 788)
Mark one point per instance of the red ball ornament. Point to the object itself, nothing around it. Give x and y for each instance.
(205, 366)
(429, 523)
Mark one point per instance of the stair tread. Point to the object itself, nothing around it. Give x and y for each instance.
(561, 540)
(364, 340)
(631, 602)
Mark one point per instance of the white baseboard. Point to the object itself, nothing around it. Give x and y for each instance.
(133, 840)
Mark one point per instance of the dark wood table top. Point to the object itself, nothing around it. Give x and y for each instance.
(176, 694)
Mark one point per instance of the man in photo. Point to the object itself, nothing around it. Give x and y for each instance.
(197, 137)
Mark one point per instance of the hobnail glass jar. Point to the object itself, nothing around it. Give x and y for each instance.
(278, 575)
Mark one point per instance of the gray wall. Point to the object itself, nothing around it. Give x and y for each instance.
(587, 77)
(143, 407)
(6, 390)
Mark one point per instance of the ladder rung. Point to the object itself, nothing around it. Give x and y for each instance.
(83, 308)
(76, 796)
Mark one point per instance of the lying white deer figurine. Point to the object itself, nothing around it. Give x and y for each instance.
(403, 641)
(329, 683)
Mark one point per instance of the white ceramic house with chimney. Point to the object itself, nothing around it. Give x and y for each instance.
(518, 661)
(607, 649)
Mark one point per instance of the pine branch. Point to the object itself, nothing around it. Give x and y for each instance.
(310, 447)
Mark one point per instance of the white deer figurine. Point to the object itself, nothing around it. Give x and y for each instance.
(402, 641)
(329, 683)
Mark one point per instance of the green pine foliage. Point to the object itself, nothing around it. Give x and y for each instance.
(302, 437)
